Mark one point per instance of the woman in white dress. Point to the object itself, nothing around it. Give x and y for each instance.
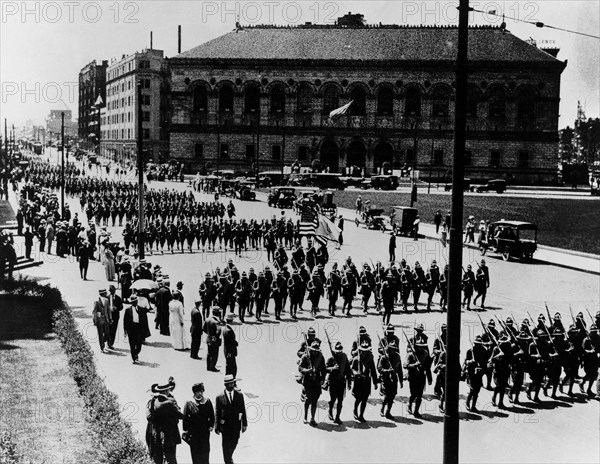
(176, 312)
(109, 263)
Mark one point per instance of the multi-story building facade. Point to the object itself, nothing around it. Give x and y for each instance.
(92, 85)
(54, 122)
(268, 91)
(119, 122)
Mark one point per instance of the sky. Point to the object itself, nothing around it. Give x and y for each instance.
(43, 45)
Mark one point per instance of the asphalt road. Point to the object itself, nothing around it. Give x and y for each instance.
(563, 430)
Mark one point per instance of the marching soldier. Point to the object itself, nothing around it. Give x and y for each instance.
(416, 380)
(348, 291)
(468, 282)
(536, 372)
(334, 284)
(475, 361)
(554, 365)
(269, 280)
(570, 360)
(213, 339)
(340, 378)
(443, 287)
(363, 373)
(295, 288)
(298, 256)
(388, 294)
(500, 362)
(520, 364)
(207, 293)
(260, 294)
(419, 343)
(311, 256)
(590, 362)
(389, 378)
(406, 282)
(439, 350)
(367, 285)
(252, 277)
(315, 291)
(243, 289)
(312, 368)
(417, 284)
(482, 282)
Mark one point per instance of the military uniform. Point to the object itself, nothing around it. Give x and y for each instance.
(340, 378)
(363, 372)
(312, 368)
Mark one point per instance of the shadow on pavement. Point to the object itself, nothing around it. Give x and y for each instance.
(159, 344)
(469, 416)
(148, 364)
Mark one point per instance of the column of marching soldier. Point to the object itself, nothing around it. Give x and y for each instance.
(502, 355)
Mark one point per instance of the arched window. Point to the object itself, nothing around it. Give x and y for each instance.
(331, 99)
(252, 100)
(278, 100)
(359, 98)
(226, 99)
(440, 101)
(304, 99)
(473, 97)
(526, 104)
(385, 101)
(412, 106)
(497, 103)
(200, 97)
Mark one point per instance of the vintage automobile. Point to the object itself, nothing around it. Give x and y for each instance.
(516, 239)
(496, 185)
(386, 182)
(319, 180)
(372, 218)
(245, 191)
(282, 197)
(402, 219)
(328, 207)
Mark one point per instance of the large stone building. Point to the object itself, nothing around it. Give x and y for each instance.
(54, 122)
(269, 91)
(92, 84)
(119, 121)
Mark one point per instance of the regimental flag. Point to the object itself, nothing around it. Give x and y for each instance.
(327, 231)
(339, 112)
(309, 220)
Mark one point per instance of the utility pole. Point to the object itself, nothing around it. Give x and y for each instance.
(5, 143)
(62, 166)
(430, 169)
(140, 166)
(257, 146)
(283, 154)
(413, 186)
(451, 418)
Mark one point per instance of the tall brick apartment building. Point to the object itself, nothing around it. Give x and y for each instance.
(92, 84)
(269, 90)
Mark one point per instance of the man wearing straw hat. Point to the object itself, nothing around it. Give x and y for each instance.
(102, 318)
(230, 417)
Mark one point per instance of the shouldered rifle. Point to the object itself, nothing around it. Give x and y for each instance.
(487, 331)
(307, 352)
(329, 343)
(506, 329)
(589, 314)
(571, 312)
(547, 331)
(548, 312)
(411, 345)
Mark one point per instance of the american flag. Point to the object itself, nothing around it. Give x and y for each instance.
(309, 220)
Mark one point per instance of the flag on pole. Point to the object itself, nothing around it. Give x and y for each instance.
(327, 231)
(339, 112)
(309, 220)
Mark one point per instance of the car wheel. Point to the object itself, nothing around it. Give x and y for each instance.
(505, 255)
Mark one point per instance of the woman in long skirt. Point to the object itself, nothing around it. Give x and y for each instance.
(176, 326)
(109, 263)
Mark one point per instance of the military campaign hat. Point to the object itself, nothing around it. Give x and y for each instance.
(338, 346)
(389, 328)
(478, 340)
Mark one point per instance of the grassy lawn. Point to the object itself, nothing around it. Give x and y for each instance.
(572, 224)
(41, 404)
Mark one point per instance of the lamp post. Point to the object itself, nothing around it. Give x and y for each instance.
(451, 418)
(413, 186)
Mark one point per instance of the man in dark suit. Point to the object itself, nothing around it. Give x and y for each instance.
(230, 345)
(115, 305)
(230, 417)
(134, 328)
(196, 329)
(102, 318)
(163, 298)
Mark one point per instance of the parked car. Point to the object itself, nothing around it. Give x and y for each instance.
(385, 182)
(515, 239)
(282, 197)
(402, 219)
(319, 180)
(496, 185)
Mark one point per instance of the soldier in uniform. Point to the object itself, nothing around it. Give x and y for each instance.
(311, 256)
(230, 349)
(554, 364)
(482, 283)
(520, 364)
(298, 256)
(590, 361)
(443, 287)
(439, 351)
(348, 291)
(260, 294)
(312, 368)
(475, 361)
(468, 282)
(416, 380)
(334, 284)
(367, 285)
(388, 373)
(388, 294)
(500, 362)
(363, 372)
(243, 289)
(295, 288)
(207, 293)
(417, 284)
(315, 291)
(340, 378)
(213, 339)
(537, 368)
(406, 281)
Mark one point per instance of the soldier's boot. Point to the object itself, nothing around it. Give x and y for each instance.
(494, 399)
(545, 389)
(361, 417)
(331, 411)
(554, 388)
(338, 413)
(501, 400)
(356, 409)
(388, 414)
(528, 393)
(570, 392)
(382, 412)
(417, 406)
(410, 405)
(474, 403)
(468, 402)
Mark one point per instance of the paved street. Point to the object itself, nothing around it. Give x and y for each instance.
(267, 363)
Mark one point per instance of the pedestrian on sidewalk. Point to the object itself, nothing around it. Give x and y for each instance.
(437, 220)
(83, 256)
(28, 242)
(444, 237)
(133, 326)
(416, 227)
(102, 318)
(198, 423)
(392, 247)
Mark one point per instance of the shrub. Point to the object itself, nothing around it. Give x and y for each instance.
(8, 449)
(113, 437)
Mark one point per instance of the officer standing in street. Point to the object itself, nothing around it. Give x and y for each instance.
(230, 347)
(213, 339)
(340, 378)
(196, 328)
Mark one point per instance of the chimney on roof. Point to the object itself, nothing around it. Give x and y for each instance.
(179, 39)
(151, 40)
